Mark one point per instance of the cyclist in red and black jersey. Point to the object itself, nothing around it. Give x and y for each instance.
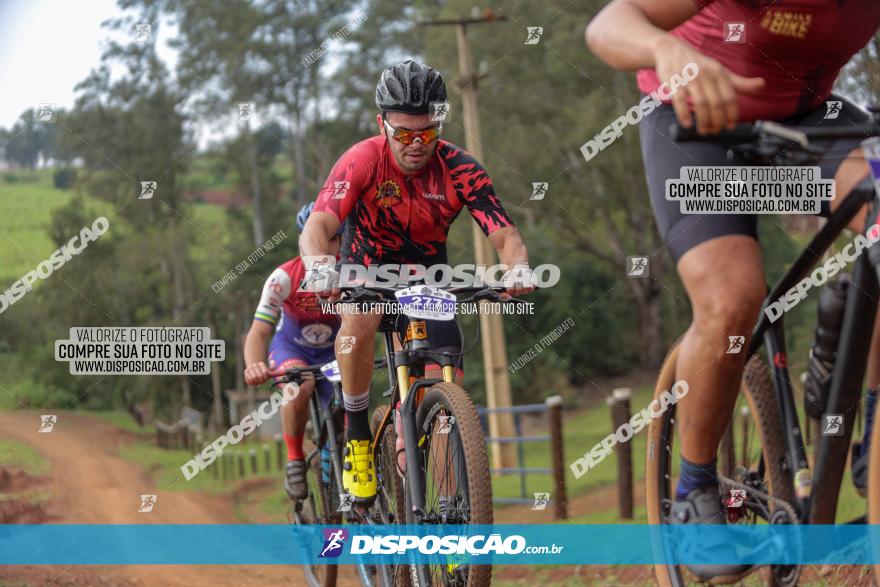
(398, 193)
(757, 59)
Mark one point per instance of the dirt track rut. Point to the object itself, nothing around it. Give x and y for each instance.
(91, 485)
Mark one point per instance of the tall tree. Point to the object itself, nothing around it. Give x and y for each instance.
(294, 41)
(553, 93)
(26, 140)
(861, 77)
(220, 67)
(130, 134)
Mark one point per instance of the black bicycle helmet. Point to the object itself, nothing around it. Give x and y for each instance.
(409, 87)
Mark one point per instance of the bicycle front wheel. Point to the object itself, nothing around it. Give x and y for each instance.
(874, 487)
(455, 466)
(319, 507)
(390, 499)
(762, 465)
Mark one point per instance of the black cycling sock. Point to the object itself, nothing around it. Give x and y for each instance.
(357, 423)
(693, 476)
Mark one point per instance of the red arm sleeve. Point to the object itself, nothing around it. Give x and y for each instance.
(472, 182)
(349, 178)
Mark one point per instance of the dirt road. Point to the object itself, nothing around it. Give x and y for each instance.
(91, 485)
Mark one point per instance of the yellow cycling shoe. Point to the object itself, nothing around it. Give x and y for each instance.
(358, 473)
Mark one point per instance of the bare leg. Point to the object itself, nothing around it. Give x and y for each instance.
(724, 278)
(295, 414)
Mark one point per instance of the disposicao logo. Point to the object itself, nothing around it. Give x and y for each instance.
(333, 542)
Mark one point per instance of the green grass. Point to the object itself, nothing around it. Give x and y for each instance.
(120, 419)
(26, 209)
(580, 433)
(164, 465)
(275, 505)
(584, 430)
(27, 205)
(19, 455)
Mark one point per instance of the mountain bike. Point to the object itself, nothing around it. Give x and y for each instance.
(447, 469)
(776, 483)
(324, 504)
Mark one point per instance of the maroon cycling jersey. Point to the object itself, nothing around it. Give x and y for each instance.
(797, 46)
(399, 218)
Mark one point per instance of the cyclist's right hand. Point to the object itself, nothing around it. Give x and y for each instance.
(712, 92)
(256, 374)
(331, 295)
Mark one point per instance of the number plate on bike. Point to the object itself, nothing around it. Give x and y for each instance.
(331, 371)
(427, 303)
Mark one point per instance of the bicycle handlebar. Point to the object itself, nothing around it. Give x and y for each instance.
(294, 373)
(752, 131)
(367, 293)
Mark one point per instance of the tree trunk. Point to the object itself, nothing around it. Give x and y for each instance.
(239, 359)
(298, 162)
(256, 192)
(217, 388)
(648, 305)
(185, 392)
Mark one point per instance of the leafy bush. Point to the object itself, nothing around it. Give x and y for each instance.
(64, 178)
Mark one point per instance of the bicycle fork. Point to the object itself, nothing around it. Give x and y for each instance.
(415, 479)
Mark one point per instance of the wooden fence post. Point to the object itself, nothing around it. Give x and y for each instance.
(554, 414)
(620, 414)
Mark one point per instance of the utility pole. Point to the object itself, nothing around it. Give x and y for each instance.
(491, 327)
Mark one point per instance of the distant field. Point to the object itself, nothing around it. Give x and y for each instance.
(26, 208)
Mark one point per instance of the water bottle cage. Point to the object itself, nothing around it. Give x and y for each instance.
(816, 386)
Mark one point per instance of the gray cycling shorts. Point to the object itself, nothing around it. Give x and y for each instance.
(664, 158)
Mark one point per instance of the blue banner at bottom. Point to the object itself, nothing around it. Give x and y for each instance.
(533, 544)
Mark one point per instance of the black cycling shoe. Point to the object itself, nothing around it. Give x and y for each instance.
(295, 479)
(703, 506)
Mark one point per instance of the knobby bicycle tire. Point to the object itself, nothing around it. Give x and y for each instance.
(757, 387)
(476, 461)
(389, 481)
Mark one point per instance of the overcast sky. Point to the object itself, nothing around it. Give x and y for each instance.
(46, 48)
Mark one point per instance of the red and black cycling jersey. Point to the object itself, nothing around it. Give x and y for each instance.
(398, 218)
(797, 46)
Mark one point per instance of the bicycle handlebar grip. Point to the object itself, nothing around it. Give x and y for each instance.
(742, 133)
(681, 134)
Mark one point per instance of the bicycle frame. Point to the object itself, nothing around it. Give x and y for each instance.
(400, 364)
(823, 486)
(324, 425)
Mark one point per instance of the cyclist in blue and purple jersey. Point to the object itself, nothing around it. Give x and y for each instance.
(301, 334)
